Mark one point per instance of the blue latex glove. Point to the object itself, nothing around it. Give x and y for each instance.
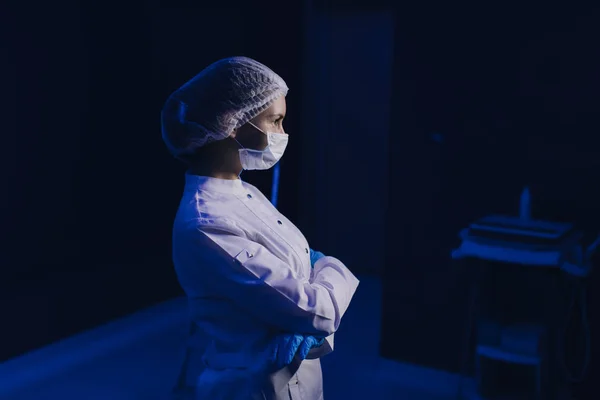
(310, 342)
(288, 346)
(314, 257)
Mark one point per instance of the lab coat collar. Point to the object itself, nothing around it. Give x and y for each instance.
(206, 183)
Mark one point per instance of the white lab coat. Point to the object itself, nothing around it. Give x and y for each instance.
(246, 271)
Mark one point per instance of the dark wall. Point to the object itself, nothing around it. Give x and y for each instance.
(513, 95)
(90, 193)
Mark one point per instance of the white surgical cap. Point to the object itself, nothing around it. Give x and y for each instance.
(221, 98)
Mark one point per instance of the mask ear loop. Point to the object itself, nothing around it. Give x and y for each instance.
(243, 148)
(257, 128)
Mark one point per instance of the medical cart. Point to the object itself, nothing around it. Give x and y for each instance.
(528, 279)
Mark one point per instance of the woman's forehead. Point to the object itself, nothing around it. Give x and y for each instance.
(278, 107)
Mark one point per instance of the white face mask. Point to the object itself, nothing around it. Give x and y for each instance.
(267, 158)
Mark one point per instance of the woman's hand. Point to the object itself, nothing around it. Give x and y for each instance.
(288, 346)
(314, 257)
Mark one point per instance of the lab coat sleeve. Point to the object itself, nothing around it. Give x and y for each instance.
(322, 271)
(249, 275)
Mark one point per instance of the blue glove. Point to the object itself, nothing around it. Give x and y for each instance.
(287, 346)
(314, 257)
(310, 342)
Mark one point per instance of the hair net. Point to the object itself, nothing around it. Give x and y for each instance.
(221, 98)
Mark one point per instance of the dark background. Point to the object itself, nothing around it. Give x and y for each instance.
(514, 90)
(89, 191)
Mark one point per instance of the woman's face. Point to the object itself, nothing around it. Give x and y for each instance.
(270, 120)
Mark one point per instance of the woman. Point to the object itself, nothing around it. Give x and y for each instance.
(268, 303)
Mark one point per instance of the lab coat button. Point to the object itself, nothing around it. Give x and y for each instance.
(306, 251)
(249, 196)
(279, 222)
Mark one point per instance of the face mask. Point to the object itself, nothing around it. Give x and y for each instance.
(267, 158)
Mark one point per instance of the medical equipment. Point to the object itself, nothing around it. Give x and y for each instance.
(527, 241)
(530, 243)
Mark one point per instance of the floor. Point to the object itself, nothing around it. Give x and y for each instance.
(139, 357)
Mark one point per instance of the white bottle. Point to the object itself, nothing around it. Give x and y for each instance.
(525, 207)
